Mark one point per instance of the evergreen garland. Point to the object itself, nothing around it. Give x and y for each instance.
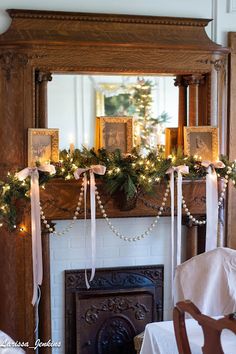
(127, 174)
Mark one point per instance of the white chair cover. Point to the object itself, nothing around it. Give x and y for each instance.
(208, 280)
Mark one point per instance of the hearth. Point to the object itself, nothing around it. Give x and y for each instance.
(120, 302)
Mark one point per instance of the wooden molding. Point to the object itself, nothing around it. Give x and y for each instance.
(114, 18)
(80, 28)
(231, 6)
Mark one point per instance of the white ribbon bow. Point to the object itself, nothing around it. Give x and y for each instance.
(211, 203)
(176, 259)
(35, 221)
(93, 169)
(216, 164)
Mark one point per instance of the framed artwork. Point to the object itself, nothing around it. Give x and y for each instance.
(202, 141)
(42, 146)
(115, 100)
(114, 133)
(171, 140)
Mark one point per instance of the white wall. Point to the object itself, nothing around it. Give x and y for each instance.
(226, 19)
(72, 109)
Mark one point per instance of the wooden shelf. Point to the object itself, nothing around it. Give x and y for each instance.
(60, 199)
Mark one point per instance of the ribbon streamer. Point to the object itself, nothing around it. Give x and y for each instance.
(35, 222)
(176, 260)
(93, 169)
(181, 170)
(211, 203)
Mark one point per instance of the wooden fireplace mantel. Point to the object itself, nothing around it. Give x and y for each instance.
(57, 42)
(60, 198)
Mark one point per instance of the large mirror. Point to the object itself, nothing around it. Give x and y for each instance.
(76, 101)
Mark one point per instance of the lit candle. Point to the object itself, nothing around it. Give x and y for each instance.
(72, 148)
(72, 145)
(86, 140)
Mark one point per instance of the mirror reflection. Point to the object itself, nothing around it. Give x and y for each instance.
(112, 111)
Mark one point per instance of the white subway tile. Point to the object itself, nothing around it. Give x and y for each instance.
(147, 261)
(118, 262)
(107, 252)
(57, 278)
(59, 241)
(131, 251)
(85, 264)
(77, 241)
(70, 254)
(58, 266)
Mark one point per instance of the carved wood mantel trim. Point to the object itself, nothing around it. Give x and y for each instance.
(73, 16)
(11, 61)
(150, 30)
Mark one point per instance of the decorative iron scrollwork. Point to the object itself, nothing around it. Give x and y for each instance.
(116, 336)
(115, 305)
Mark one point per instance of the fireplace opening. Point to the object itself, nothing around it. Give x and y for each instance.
(117, 307)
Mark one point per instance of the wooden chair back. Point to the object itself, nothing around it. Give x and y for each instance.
(211, 328)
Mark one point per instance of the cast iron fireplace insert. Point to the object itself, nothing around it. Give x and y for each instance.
(120, 302)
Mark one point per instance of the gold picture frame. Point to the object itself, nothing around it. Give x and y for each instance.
(202, 141)
(171, 140)
(43, 146)
(114, 133)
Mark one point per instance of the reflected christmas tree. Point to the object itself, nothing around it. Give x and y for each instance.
(148, 130)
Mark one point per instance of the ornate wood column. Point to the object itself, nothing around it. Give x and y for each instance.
(192, 241)
(193, 81)
(221, 73)
(16, 104)
(41, 103)
(204, 94)
(195, 238)
(182, 114)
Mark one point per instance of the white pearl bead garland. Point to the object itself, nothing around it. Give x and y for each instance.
(221, 198)
(194, 220)
(145, 233)
(70, 225)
